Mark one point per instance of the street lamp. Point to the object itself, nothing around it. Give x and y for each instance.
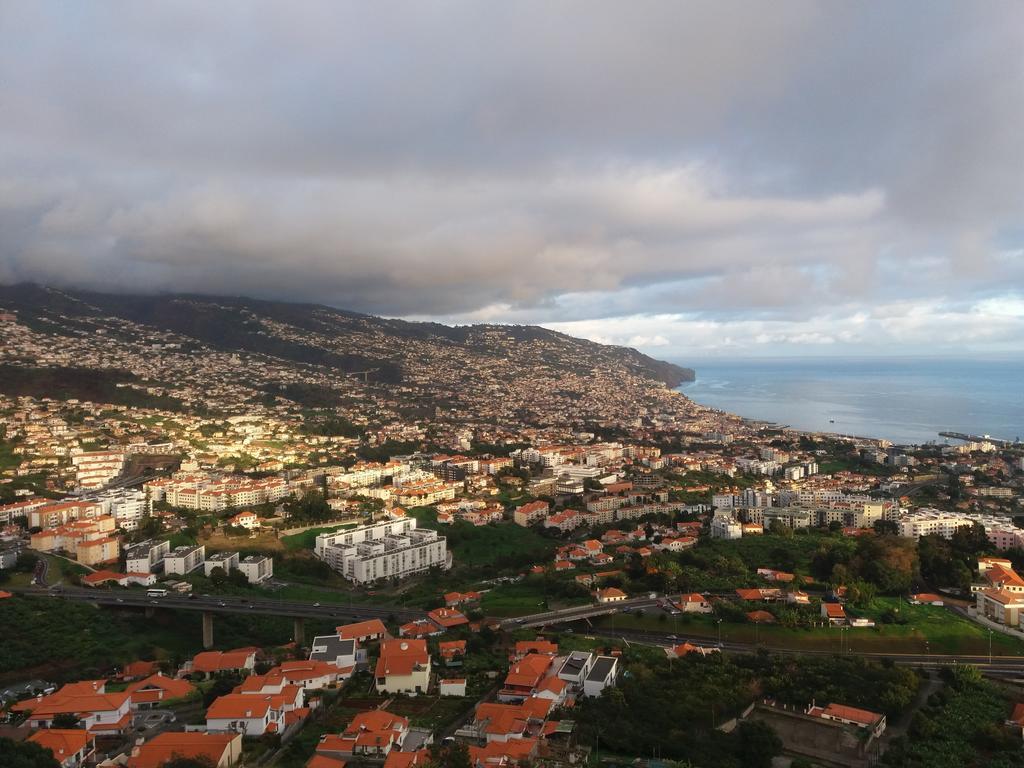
(719, 623)
(990, 647)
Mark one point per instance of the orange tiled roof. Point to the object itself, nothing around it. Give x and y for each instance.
(63, 742)
(159, 750)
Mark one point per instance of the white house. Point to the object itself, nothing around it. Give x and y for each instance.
(602, 675)
(403, 667)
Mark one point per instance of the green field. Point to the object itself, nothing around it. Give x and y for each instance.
(928, 629)
(522, 599)
(503, 545)
(431, 711)
(792, 553)
(307, 539)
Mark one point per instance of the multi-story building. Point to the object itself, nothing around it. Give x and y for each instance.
(10, 512)
(226, 561)
(422, 494)
(392, 549)
(725, 526)
(185, 559)
(98, 551)
(146, 556)
(54, 515)
(128, 506)
(257, 568)
(68, 538)
(929, 522)
(94, 469)
(531, 512)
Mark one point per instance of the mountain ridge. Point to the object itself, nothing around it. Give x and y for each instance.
(239, 323)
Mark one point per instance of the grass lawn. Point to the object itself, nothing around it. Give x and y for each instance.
(59, 567)
(792, 553)
(503, 544)
(928, 628)
(307, 539)
(522, 599)
(431, 712)
(831, 466)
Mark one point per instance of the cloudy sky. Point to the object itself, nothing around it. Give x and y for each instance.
(691, 178)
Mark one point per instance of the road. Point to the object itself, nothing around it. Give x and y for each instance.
(578, 613)
(229, 604)
(1004, 667)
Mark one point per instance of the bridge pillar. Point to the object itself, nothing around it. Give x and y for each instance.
(299, 633)
(207, 630)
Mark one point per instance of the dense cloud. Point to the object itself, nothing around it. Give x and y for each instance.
(678, 176)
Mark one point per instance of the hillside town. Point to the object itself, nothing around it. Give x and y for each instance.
(540, 555)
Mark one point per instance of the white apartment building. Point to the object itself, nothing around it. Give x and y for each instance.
(927, 522)
(257, 568)
(146, 556)
(577, 472)
(226, 561)
(183, 560)
(725, 526)
(127, 506)
(392, 549)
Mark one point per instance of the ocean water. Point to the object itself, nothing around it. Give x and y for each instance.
(905, 400)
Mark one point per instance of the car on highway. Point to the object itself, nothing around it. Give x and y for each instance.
(316, 605)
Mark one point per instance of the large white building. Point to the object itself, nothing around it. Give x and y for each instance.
(184, 560)
(256, 568)
(725, 526)
(927, 522)
(127, 505)
(146, 556)
(388, 550)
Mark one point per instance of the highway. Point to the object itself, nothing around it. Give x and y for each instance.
(1005, 667)
(1010, 668)
(229, 604)
(578, 613)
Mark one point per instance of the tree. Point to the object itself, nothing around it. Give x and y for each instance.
(66, 720)
(221, 687)
(26, 562)
(455, 755)
(889, 562)
(758, 744)
(25, 754)
(860, 593)
(883, 527)
(218, 576)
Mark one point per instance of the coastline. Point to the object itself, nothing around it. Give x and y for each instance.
(904, 402)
